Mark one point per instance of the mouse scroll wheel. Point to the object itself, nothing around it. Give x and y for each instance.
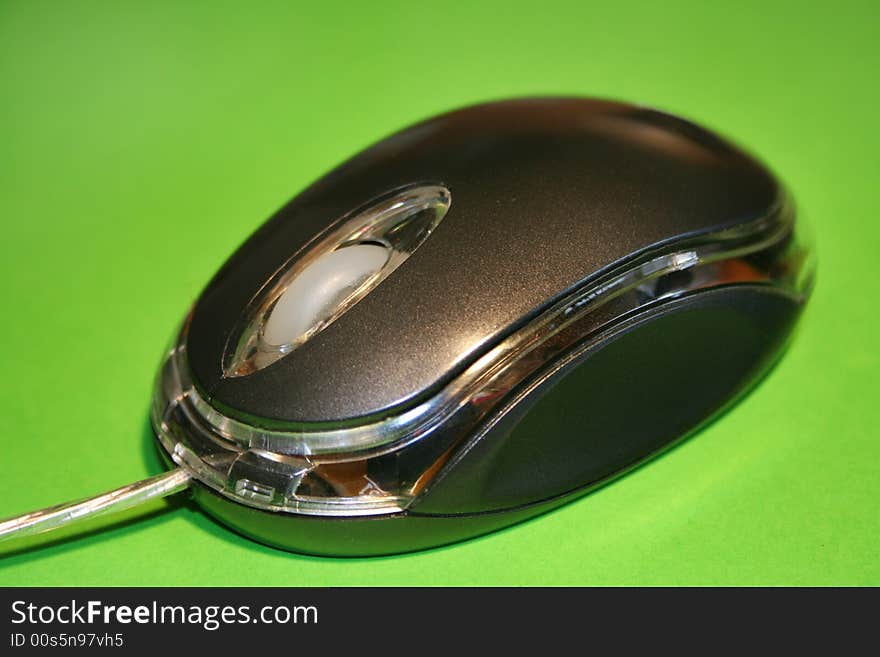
(322, 290)
(315, 287)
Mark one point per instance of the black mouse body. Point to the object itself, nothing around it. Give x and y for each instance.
(535, 296)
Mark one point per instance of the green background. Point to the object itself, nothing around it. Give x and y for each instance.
(142, 142)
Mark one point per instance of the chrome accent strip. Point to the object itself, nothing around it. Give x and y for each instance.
(325, 471)
(412, 424)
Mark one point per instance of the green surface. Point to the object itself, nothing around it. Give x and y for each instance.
(141, 143)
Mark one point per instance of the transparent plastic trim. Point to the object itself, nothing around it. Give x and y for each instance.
(400, 221)
(360, 470)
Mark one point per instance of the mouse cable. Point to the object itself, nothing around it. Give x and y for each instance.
(61, 515)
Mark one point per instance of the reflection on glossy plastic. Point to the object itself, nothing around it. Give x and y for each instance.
(370, 468)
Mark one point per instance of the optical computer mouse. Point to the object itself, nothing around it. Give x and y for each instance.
(476, 320)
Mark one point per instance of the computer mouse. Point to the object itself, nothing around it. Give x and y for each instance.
(476, 320)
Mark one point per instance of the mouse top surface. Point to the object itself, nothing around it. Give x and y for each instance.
(527, 201)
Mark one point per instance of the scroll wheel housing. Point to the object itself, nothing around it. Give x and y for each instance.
(323, 290)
